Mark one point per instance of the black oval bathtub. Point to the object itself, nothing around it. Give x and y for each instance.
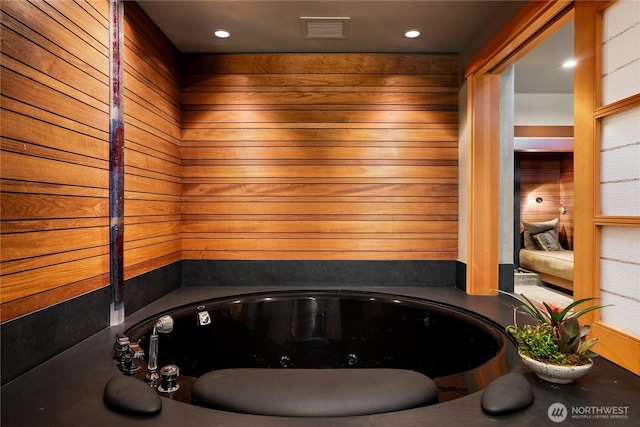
(271, 333)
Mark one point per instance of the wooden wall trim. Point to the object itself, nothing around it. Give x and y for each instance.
(535, 20)
(543, 131)
(483, 185)
(615, 345)
(514, 38)
(585, 262)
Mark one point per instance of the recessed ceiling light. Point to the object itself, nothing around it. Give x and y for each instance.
(223, 34)
(412, 34)
(569, 63)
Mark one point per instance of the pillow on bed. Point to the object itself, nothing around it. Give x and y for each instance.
(547, 241)
(531, 228)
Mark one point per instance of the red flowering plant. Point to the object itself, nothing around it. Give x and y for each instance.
(557, 336)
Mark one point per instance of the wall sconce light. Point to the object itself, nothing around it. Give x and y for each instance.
(561, 209)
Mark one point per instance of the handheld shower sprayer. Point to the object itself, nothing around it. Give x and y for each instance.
(164, 325)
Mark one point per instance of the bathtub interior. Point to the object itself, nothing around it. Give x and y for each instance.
(460, 351)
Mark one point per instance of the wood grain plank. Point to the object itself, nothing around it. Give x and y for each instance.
(20, 87)
(153, 255)
(321, 217)
(327, 134)
(319, 245)
(149, 230)
(192, 227)
(43, 261)
(318, 190)
(315, 97)
(37, 26)
(145, 264)
(349, 63)
(30, 282)
(136, 207)
(325, 171)
(49, 117)
(24, 226)
(315, 256)
(16, 206)
(310, 208)
(146, 37)
(194, 82)
(34, 244)
(45, 67)
(220, 114)
(271, 154)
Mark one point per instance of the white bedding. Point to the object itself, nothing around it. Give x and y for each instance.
(555, 263)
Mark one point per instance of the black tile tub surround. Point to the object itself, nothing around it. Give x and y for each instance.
(319, 273)
(30, 340)
(34, 338)
(461, 276)
(506, 278)
(142, 290)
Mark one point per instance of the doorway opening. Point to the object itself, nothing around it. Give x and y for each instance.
(543, 169)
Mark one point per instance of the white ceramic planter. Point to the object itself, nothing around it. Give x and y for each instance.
(558, 374)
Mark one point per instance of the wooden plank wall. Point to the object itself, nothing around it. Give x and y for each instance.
(550, 176)
(55, 151)
(320, 156)
(152, 146)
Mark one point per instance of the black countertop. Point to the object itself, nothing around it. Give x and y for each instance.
(67, 390)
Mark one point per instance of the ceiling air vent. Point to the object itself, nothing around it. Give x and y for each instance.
(324, 28)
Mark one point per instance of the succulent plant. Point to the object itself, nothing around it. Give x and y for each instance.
(557, 336)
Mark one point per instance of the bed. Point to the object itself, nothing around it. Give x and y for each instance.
(542, 253)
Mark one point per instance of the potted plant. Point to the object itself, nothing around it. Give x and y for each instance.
(555, 347)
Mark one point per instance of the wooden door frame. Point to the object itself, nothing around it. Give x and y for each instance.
(615, 345)
(535, 22)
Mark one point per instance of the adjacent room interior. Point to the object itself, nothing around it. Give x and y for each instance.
(543, 168)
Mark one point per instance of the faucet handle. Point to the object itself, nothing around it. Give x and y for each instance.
(127, 355)
(122, 340)
(137, 355)
(120, 349)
